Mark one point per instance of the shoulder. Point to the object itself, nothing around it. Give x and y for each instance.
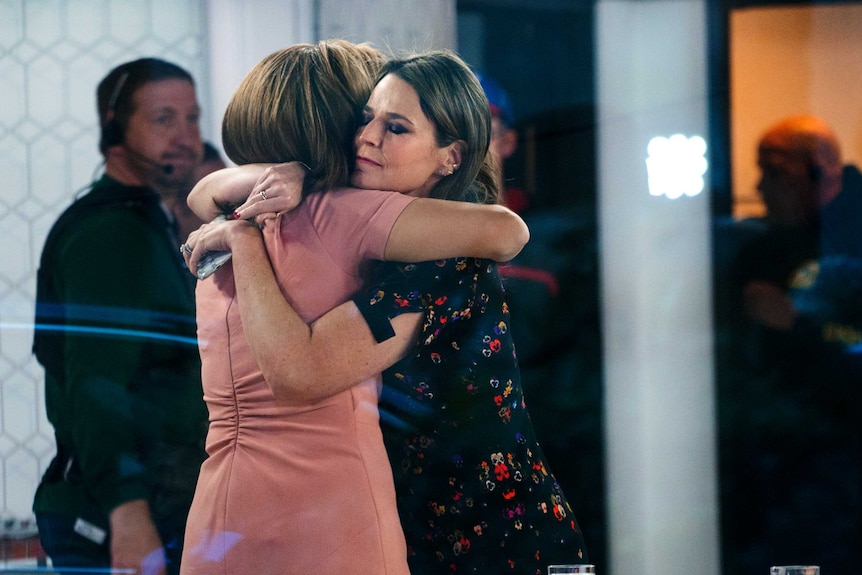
(357, 199)
(340, 195)
(86, 218)
(122, 221)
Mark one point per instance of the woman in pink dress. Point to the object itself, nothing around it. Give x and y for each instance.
(295, 486)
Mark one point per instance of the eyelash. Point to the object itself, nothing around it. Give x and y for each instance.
(391, 126)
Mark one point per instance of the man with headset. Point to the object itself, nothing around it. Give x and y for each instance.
(115, 332)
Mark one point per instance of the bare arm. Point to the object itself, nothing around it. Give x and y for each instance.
(223, 190)
(302, 363)
(215, 192)
(135, 542)
(430, 229)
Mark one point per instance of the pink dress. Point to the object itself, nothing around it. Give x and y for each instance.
(295, 490)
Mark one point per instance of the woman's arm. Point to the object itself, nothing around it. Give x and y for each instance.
(223, 190)
(430, 229)
(302, 363)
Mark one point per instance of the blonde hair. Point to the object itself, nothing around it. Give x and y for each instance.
(302, 104)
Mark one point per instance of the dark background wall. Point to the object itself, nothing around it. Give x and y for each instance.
(541, 52)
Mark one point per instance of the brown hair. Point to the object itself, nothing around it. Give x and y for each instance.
(453, 100)
(302, 104)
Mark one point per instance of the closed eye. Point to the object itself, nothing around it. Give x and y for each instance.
(396, 128)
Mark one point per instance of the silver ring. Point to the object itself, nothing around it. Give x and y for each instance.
(185, 249)
(262, 194)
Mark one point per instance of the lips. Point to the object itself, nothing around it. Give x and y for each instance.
(179, 159)
(364, 161)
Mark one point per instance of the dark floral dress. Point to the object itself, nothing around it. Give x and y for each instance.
(475, 493)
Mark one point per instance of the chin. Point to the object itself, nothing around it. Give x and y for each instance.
(358, 181)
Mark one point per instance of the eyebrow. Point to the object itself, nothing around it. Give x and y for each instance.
(170, 109)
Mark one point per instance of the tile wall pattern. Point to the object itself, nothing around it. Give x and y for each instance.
(52, 55)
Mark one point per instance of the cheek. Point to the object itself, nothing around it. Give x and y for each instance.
(416, 171)
(410, 162)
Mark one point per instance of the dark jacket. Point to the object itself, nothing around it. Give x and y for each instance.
(115, 331)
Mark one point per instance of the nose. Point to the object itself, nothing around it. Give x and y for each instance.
(189, 133)
(369, 134)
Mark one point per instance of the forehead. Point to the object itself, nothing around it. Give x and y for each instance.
(392, 94)
(776, 157)
(173, 93)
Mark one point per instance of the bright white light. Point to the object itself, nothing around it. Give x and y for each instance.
(676, 166)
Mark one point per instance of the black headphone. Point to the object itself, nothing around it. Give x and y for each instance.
(112, 130)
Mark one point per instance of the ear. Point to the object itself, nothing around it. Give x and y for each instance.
(508, 143)
(454, 153)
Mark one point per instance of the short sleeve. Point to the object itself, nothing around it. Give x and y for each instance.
(361, 219)
(395, 292)
(443, 290)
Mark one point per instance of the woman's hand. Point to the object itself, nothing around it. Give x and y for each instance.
(278, 190)
(216, 236)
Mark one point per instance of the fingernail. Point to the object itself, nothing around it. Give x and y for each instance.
(237, 216)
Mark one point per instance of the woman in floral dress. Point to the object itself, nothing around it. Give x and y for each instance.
(474, 491)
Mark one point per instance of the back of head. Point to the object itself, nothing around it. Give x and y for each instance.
(806, 140)
(114, 101)
(806, 149)
(498, 100)
(302, 103)
(452, 98)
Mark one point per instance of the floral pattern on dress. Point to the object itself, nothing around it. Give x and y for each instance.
(475, 493)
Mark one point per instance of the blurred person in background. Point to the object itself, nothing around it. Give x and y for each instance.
(559, 357)
(115, 332)
(789, 327)
(504, 140)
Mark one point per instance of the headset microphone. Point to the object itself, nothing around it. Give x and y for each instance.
(166, 169)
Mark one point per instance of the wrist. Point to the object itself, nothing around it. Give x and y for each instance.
(243, 232)
(130, 514)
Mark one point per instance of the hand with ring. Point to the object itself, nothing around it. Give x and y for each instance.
(278, 190)
(215, 236)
